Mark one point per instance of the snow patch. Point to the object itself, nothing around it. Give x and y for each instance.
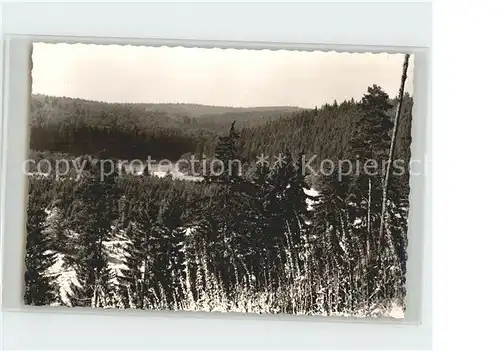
(311, 192)
(66, 277)
(311, 202)
(115, 250)
(162, 171)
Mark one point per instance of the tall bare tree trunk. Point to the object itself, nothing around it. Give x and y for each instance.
(391, 156)
(369, 222)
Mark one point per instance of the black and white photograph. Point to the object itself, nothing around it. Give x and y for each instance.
(218, 180)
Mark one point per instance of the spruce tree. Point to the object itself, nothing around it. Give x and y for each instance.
(131, 280)
(93, 215)
(329, 236)
(168, 258)
(261, 240)
(40, 286)
(368, 149)
(143, 227)
(288, 210)
(230, 242)
(228, 158)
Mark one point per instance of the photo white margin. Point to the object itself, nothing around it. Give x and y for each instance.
(59, 22)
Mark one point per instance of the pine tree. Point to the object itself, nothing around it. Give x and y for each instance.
(330, 235)
(94, 213)
(284, 218)
(230, 243)
(40, 284)
(168, 258)
(55, 228)
(261, 240)
(131, 280)
(140, 233)
(368, 148)
(369, 145)
(228, 158)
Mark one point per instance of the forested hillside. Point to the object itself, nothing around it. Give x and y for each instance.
(132, 131)
(264, 241)
(324, 132)
(168, 131)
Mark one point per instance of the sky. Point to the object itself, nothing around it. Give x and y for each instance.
(223, 77)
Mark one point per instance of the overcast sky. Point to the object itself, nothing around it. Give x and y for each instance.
(226, 77)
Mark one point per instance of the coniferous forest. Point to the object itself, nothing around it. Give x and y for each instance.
(286, 232)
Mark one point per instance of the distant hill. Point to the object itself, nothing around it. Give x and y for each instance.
(174, 114)
(79, 126)
(202, 111)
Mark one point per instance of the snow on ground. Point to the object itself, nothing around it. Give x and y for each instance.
(168, 170)
(176, 174)
(172, 170)
(312, 193)
(115, 250)
(116, 256)
(66, 277)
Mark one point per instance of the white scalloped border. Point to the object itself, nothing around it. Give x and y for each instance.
(230, 45)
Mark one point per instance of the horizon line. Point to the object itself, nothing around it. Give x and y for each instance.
(173, 103)
(204, 105)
